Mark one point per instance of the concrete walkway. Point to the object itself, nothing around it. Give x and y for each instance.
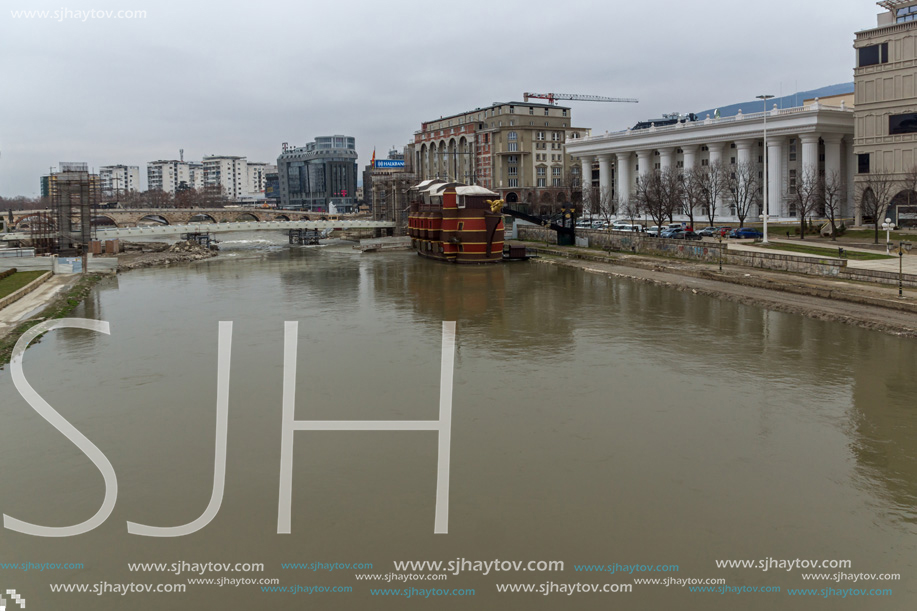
(19, 310)
(908, 263)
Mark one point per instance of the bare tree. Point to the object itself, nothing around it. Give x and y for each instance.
(650, 195)
(834, 192)
(874, 194)
(156, 198)
(710, 182)
(673, 191)
(743, 188)
(693, 196)
(805, 196)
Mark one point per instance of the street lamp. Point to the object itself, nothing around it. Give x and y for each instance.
(765, 97)
(888, 226)
(720, 249)
(902, 246)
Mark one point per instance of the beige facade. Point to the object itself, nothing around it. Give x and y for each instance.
(886, 93)
(517, 149)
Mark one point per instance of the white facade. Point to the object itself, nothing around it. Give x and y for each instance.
(230, 174)
(196, 171)
(816, 137)
(256, 174)
(167, 175)
(117, 179)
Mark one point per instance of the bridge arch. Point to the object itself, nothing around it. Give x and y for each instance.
(26, 222)
(102, 220)
(202, 218)
(245, 217)
(284, 217)
(154, 219)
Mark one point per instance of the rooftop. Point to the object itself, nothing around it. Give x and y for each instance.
(497, 105)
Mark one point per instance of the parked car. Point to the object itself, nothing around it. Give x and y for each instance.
(653, 231)
(600, 225)
(675, 226)
(627, 227)
(746, 233)
(686, 235)
(708, 232)
(671, 232)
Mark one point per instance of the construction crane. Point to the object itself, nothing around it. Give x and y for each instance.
(553, 97)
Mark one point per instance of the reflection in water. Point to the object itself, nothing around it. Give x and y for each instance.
(595, 420)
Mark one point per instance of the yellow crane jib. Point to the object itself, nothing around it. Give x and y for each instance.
(495, 204)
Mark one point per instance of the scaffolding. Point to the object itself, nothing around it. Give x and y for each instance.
(75, 194)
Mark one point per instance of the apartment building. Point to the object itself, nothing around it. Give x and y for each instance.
(257, 176)
(517, 149)
(118, 179)
(167, 175)
(227, 175)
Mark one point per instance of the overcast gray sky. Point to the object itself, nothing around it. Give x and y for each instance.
(240, 78)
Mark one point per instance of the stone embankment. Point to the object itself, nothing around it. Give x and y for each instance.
(138, 255)
(864, 305)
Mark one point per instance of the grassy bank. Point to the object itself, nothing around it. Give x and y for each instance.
(11, 284)
(61, 307)
(823, 252)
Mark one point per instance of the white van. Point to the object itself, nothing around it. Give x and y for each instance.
(627, 227)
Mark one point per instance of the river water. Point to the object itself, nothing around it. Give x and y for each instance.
(596, 421)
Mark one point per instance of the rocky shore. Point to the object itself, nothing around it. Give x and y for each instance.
(138, 255)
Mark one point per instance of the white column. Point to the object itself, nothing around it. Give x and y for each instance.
(666, 155)
(690, 159)
(605, 175)
(623, 174)
(809, 156)
(716, 152)
(645, 162)
(775, 175)
(744, 148)
(832, 156)
(851, 208)
(585, 174)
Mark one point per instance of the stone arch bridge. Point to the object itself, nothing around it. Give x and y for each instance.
(180, 216)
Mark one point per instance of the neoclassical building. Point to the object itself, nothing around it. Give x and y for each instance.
(817, 136)
(517, 149)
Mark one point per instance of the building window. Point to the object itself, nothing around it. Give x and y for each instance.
(513, 170)
(555, 171)
(512, 147)
(863, 163)
(531, 110)
(908, 13)
(546, 111)
(540, 136)
(680, 164)
(512, 110)
(542, 182)
(556, 182)
(902, 124)
(542, 171)
(705, 162)
(732, 160)
(512, 159)
(511, 135)
(793, 149)
(565, 112)
(792, 182)
(873, 54)
(513, 183)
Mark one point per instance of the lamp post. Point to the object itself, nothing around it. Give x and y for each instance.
(765, 97)
(888, 226)
(902, 246)
(720, 249)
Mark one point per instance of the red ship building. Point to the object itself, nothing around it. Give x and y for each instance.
(453, 222)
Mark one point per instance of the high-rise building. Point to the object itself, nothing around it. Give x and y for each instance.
(886, 101)
(514, 148)
(167, 175)
(257, 173)
(119, 179)
(226, 174)
(196, 171)
(321, 176)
